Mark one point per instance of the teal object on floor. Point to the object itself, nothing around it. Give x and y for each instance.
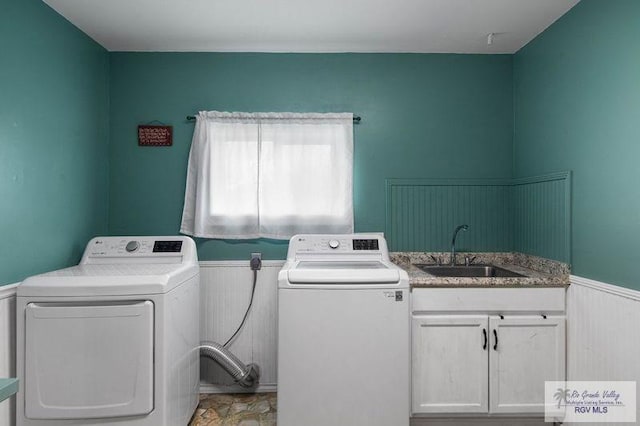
(8, 387)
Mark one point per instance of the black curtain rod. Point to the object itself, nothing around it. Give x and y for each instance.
(356, 118)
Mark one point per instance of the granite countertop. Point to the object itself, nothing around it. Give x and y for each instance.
(537, 271)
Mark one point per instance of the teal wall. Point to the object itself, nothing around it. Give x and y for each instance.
(423, 116)
(53, 140)
(577, 107)
(570, 100)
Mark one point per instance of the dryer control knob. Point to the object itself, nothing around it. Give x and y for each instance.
(132, 246)
(334, 244)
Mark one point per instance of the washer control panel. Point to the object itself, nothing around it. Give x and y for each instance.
(309, 244)
(130, 246)
(140, 249)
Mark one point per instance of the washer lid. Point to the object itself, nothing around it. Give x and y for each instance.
(336, 264)
(108, 280)
(346, 272)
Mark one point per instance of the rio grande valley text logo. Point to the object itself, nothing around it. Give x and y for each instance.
(590, 401)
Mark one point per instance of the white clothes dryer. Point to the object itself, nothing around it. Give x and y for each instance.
(114, 340)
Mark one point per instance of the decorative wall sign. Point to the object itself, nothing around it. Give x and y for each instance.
(149, 135)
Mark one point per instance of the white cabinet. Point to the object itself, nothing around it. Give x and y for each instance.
(478, 356)
(529, 350)
(450, 364)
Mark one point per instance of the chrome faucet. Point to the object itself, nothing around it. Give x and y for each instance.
(452, 261)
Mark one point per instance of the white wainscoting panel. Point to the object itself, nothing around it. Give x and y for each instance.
(225, 289)
(603, 333)
(7, 348)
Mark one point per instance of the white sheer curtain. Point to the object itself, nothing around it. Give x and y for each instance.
(269, 175)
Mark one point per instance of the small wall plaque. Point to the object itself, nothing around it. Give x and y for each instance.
(149, 135)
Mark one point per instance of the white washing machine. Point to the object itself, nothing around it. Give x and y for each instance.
(112, 341)
(343, 334)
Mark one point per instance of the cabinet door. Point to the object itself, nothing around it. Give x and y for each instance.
(450, 365)
(525, 351)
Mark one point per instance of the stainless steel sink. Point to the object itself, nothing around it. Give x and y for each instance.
(468, 271)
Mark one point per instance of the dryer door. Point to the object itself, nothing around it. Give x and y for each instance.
(88, 360)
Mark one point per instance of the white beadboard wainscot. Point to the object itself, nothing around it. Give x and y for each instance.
(225, 290)
(8, 348)
(603, 336)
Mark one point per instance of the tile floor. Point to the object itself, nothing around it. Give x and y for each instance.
(240, 409)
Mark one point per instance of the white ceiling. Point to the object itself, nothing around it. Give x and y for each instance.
(430, 26)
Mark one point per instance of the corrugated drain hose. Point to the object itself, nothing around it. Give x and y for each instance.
(245, 375)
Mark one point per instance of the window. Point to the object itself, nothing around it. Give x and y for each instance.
(269, 175)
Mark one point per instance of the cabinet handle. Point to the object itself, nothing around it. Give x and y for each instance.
(495, 335)
(484, 333)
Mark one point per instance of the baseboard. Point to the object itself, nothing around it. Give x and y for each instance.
(607, 288)
(262, 388)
